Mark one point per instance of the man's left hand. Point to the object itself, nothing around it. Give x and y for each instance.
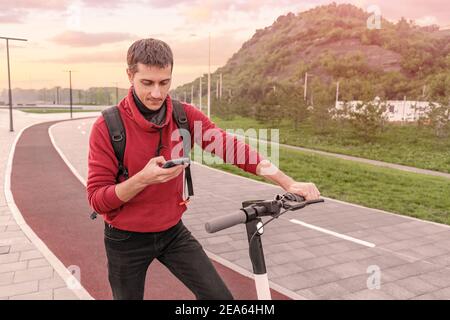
(307, 190)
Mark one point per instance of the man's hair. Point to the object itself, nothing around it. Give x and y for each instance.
(151, 52)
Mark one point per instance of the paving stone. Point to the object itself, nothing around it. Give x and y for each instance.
(326, 291)
(8, 258)
(356, 283)
(38, 263)
(33, 274)
(18, 288)
(41, 295)
(283, 269)
(407, 270)
(64, 294)
(315, 263)
(368, 295)
(52, 283)
(348, 270)
(28, 255)
(416, 285)
(22, 246)
(4, 249)
(438, 278)
(6, 278)
(12, 227)
(306, 279)
(396, 291)
(13, 266)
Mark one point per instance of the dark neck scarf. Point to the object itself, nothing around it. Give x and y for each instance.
(155, 116)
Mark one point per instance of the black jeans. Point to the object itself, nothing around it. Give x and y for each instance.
(130, 254)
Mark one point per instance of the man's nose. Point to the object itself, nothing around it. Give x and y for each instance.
(156, 93)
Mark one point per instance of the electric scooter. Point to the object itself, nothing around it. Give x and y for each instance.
(250, 214)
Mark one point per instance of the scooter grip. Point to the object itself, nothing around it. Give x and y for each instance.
(224, 222)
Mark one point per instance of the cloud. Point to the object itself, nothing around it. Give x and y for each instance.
(84, 39)
(426, 21)
(10, 18)
(34, 4)
(111, 56)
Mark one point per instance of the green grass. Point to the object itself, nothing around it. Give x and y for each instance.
(407, 145)
(410, 194)
(46, 110)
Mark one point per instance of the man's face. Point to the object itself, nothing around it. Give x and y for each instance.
(151, 84)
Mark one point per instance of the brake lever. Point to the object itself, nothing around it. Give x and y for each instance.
(293, 205)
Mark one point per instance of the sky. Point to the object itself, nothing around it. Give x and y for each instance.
(91, 37)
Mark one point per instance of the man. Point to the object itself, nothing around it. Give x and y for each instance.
(143, 213)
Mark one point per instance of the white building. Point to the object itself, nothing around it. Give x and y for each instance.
(397, 110)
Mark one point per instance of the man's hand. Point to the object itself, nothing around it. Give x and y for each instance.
(269, 171)
(153, 173)
(307, 190)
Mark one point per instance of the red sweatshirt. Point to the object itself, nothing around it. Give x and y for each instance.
(157, 207)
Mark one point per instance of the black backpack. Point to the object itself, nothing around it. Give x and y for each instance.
(118, 140)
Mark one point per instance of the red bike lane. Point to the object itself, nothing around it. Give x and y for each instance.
(54, 204)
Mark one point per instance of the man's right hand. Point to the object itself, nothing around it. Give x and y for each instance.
(153, 173)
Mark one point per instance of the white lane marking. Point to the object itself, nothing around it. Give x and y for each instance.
(338, 235)
(63, 157)
(57, 265)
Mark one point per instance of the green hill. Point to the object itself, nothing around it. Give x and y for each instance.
(332, 43)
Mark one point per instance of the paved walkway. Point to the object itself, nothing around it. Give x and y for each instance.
(62, 221)
(322, 252)
(413, 256)
(25, 269)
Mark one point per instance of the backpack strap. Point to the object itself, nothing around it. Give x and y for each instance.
(118, 140)
(181, 119)
(117, 136)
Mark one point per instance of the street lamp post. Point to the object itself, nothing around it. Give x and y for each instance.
(117, 92)
(70, 91)
(11, 127)
(209, 76)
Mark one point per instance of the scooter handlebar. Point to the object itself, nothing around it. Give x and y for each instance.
(227, 221)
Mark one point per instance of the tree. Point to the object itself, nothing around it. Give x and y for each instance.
(367, 118)
(439, 117)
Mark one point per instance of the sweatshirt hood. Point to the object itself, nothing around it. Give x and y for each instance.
(129, 106)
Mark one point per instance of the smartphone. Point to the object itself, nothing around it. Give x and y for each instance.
(176, 162)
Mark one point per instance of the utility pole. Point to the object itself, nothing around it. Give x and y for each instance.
(305, 85)
(209, 76)
(70, 91)
(337, 94)
(192, 94)
(57, 95)
(117, 92)
(404, 107)
(221, 86)
(11, 126)
(217, 89)
(200, 94)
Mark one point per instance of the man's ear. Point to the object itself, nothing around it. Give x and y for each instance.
(130, 75)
